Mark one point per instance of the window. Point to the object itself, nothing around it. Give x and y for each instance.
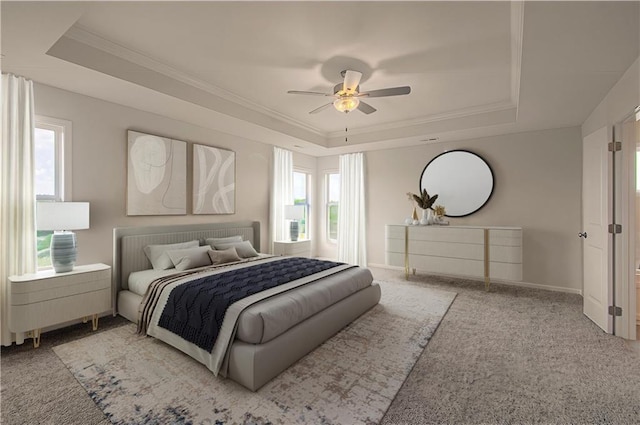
(637, 171)
(52, 154)
(301, 183)
(333, 198)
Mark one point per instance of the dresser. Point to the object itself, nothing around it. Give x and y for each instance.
(469, 251)
(300, 248)
(48, 298)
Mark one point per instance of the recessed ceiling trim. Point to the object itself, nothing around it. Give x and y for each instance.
(84, 36)
(460, 113)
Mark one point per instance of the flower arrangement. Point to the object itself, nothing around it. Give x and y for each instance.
(423, 200)
(439, 210)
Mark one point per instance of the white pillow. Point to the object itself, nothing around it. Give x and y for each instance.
(225, 256)
(212, 242)
(157, 254)
(244, 249)
(190, 258)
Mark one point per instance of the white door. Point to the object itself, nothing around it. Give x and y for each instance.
(595, 251)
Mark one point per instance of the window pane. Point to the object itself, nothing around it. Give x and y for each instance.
(45, 162)
(43, 244)
(334, 188)
(333, 222)
(637, 173)
(300, 197)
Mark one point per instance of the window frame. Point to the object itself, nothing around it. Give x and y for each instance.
(307, 205)
(63, 166)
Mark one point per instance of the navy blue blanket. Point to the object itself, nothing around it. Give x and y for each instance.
(195, 309)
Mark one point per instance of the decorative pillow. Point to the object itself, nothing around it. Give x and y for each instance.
(157, 254)
(225, 256)
(212, 242)
(244, 248)
(190, 258)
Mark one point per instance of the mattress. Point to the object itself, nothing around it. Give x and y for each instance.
(270, 318)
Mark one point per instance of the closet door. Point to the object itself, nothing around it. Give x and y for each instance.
(595, 218)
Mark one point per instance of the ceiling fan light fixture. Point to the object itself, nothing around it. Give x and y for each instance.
(346, 104)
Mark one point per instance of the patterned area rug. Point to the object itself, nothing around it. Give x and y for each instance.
(350, 379)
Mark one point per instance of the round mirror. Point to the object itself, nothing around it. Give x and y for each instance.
(462, 180)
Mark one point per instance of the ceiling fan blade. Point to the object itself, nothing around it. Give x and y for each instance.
(366, 108)
(351, 81)
(323, 107)
(393, 91)
(312, 93)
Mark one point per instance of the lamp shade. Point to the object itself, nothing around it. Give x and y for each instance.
(294, 212)
(62, 215)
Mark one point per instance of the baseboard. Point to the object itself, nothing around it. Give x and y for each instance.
(503, 282)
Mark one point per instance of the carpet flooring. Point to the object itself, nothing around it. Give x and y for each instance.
(508, 356)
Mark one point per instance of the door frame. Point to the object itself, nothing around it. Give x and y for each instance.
(625, 184)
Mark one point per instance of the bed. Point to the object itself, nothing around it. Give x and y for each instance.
(262, 334)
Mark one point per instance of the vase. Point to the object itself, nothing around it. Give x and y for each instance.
(427, 217)
(414, 216)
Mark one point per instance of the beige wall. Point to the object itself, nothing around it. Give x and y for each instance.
(100, 166)
(537, 186)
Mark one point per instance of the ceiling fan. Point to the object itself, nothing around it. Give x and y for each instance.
(347, 94)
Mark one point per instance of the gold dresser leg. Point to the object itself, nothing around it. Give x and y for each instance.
(94, 322)
(35, 334)
(487, 281)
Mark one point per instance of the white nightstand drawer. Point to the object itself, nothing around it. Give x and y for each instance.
(298, 248)
(48, 298)
(59, 310)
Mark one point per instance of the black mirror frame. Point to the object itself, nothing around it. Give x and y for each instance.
(493, 179)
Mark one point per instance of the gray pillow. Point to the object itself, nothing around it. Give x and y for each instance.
(157, 254)
(212, 242)
(225, 256)
(244, 249)
(190, 258)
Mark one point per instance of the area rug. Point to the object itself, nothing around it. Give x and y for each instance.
(350, 379)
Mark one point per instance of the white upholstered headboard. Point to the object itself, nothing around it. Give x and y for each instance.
(128, 244)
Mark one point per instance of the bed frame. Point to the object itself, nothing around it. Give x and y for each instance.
(251, 365)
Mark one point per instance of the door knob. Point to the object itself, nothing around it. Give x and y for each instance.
(582, 235)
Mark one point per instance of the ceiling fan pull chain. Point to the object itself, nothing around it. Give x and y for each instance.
(345, 134)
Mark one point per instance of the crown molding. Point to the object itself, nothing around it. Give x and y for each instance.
(84, 36)
(459, 113)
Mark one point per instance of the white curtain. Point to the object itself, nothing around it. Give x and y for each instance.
(352, 231)
(281, 193)
(17, 191)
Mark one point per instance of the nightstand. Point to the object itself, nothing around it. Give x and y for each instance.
(48, 298)
(301, 248)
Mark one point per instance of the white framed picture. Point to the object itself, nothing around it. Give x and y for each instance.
(214, 180)
(156, 175)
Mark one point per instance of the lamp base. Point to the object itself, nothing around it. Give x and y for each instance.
(293, 231)
(63, 251)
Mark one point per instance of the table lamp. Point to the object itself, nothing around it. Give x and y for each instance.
(61, 217)
(294, 213)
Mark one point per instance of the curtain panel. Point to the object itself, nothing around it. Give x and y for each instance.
(352, 230)
(17, 191)
(281, 194)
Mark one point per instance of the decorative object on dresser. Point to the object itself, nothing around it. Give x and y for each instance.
(61, 217)
(294, 213)
(156, 176)
(45, 298)
(214, 180)
(300, 248)
(473, 251)
(463, 180)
